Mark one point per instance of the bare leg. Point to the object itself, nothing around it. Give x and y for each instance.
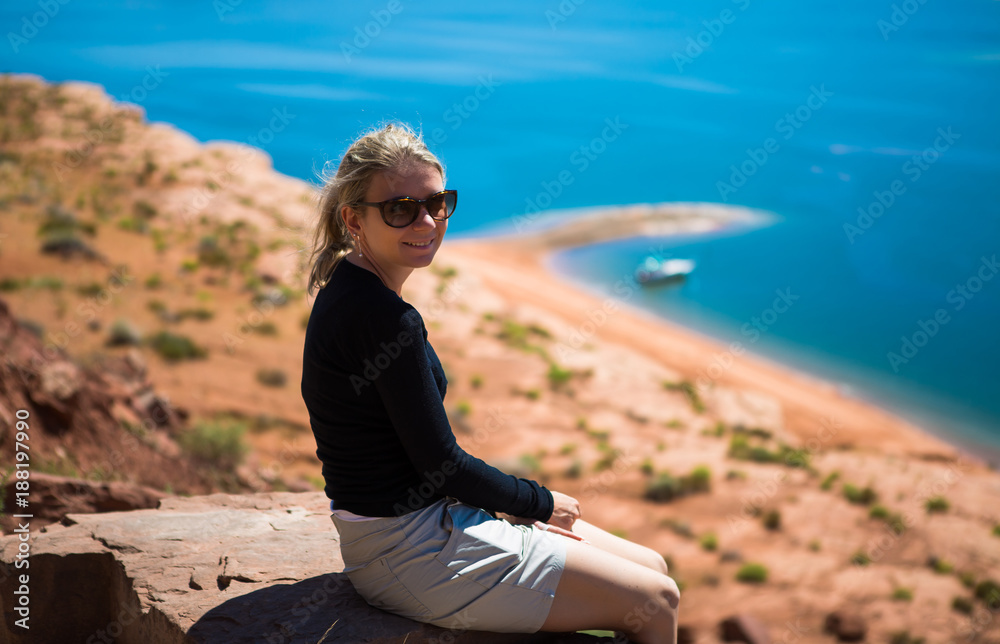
(601, 590)
(621, 547)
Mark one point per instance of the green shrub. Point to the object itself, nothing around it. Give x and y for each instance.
(199, 313)
(878, 512)
(558, 376)
(575, 470)
(828, 482)
(476, 381)
(740, 448)
(988, 591)
(531, 463)
(758, 432)
(144, 209)
(962, 605)
(217, 442)
(940, 566)
(173, 347)
(210, 254)
(860, 558)
(937, 504)
(266, 327)
(815, 545)
(902, 594)
(772, 520)
(123, 333)
(687, 388)
(700, 479)
(904, 637)
(752, 573)
(607, 461)
(271, 377)
(678, 527)
(709, 541)
(968, 579)
(862, 496)
(666, 487)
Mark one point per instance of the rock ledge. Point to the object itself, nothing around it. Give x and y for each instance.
(217, 568)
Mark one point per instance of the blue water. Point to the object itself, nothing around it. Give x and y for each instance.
(806, 110)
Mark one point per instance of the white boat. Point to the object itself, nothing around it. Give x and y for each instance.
(655, 270)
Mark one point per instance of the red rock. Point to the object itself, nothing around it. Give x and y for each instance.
(848, 626)
(744, 628)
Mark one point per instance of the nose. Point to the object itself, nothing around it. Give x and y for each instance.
(424, 221)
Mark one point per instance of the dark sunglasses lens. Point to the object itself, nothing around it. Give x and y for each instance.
(401, 212)
(441, 206)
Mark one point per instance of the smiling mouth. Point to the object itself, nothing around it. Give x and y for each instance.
(419, 245)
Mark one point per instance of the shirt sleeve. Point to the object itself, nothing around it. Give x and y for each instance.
(415, 407)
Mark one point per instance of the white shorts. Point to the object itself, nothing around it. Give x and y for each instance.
(455, 566)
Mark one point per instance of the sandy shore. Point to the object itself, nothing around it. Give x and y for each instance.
(524, 275)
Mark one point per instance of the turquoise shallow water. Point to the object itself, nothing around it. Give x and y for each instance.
(869, 130)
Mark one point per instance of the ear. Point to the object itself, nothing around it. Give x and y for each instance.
(351, 219)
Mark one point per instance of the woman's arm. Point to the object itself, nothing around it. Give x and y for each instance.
(409, 390)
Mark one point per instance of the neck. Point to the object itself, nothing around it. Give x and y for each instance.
(393, 279)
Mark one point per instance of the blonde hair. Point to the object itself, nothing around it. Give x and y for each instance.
(380, 149)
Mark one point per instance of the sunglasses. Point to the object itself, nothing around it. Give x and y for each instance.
(401, 212)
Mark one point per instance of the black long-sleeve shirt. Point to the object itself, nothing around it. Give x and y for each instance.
(374, 388)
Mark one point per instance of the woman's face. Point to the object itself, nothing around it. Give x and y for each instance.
(397, 248)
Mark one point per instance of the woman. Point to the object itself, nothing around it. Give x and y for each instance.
(427, 531)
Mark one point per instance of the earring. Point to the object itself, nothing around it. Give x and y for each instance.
(360, 254)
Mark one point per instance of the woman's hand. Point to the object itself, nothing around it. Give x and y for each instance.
(566, 510)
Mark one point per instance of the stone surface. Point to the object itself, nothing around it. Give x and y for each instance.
(53, 497)
(217, 568)
(744, 628)
(846, 625)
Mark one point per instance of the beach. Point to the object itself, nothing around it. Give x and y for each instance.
(517, 268)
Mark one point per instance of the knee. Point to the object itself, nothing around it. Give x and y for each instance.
(669, 593)
(658, 612)
(655, 561)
